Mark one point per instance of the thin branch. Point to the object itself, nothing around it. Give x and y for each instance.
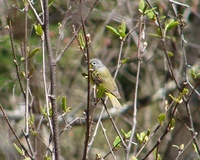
(88, 119)
(134, 114)
(52, 66)
(15, 59)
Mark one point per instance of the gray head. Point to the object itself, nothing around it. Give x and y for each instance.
(96, 63)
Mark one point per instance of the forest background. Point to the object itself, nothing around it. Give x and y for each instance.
(48, 106)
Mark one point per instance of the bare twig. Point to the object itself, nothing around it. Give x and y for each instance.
(52, 66)
(134, 114)
(15, 59)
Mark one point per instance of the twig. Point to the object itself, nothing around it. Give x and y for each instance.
(134, 114)
(52, 65)
(88, 119)
(15, 59)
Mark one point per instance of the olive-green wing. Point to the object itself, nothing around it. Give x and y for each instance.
(108, 82)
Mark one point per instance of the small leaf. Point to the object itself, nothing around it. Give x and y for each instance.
(50, 2)
(47, 158)
(150, 13)
(154, 35)
(143, 137)
(101, 91)
(34, 133)
(81, 41)
(64, 104)
(185, 91)
(23, 74)
(20, 151)
(125, 60)
(170, 54)
(195, 147)
(177, 100)
(126, 135)
(133, 158)
(161, 118)
(38, 29)
(85, 75)
(171, 124)
(113, 30)
(122, 30)
(43, 111)
(141, 6)
(175, 146)
(117, 142)
(33, 52)
(182, 146)
(31, 120)
(22, 59)
(171, 24)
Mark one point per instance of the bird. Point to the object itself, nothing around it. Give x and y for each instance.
(101, 76)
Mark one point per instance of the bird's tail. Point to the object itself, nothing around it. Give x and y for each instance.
(114, 101)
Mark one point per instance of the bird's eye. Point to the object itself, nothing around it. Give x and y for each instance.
(94, 63)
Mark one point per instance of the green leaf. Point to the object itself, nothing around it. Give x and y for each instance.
(43, 111)
(171, 124)
(194, 74)
(177, 100)
(141, 6)
(33, 52)
(20, 151)
(64, 104)
(31, 120)
(113, 30)
(22, 59)
(143, 136)
(125, 60)
(101, 91)
(195, 147)
(171, 24)
(81, 41)
(170, 54)
(117, 142)
(39, 30)
(47, 158)
(185, 91)
(122, 30)
(85, 75)
(161, 118)
(23, 74)
(150, 13)
(154, 35)
(175, 146)
(182, 146)
(133, 158)
(50, 2)
(126, 135)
